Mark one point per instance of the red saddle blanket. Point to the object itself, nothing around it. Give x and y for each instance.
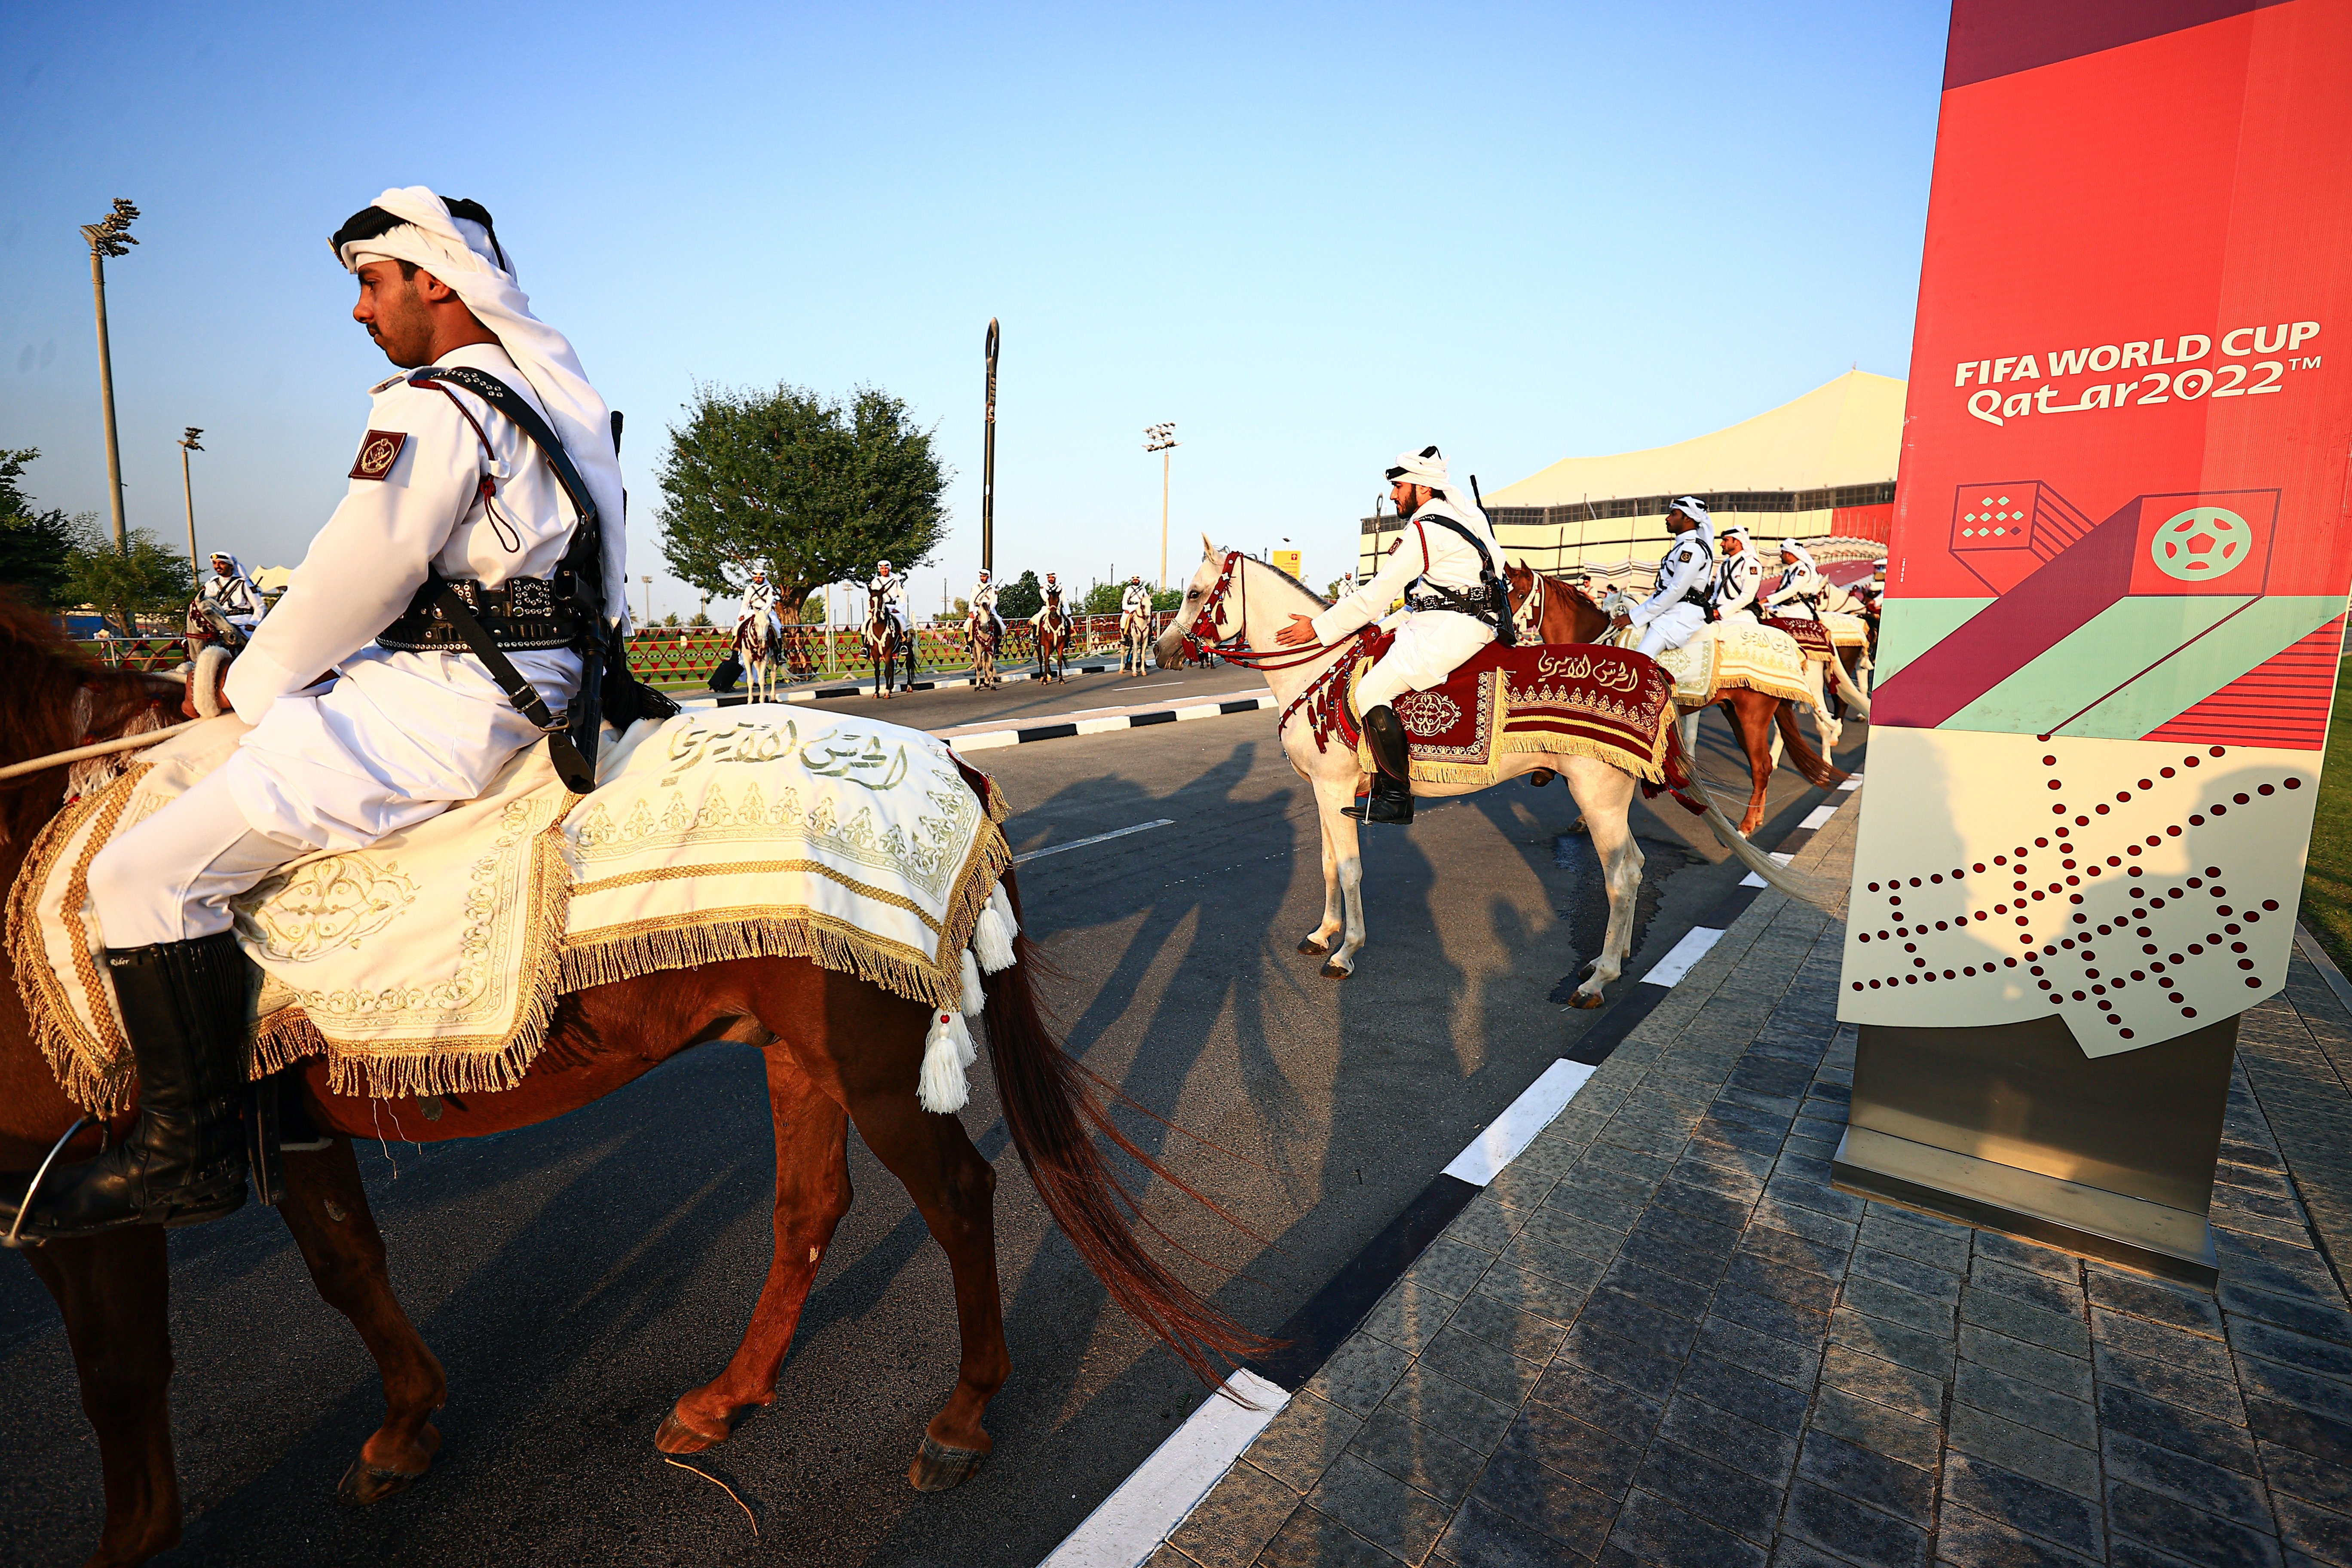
(1812, 637)
(1561, 698)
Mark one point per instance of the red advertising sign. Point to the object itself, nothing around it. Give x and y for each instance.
(2119, 555)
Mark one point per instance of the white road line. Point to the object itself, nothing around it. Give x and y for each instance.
(1854, 782)
(1819, 818)
(987, 743)
(1682, 955)
(1133, 1521)
(1509, 1133)
(1097, 838)
(1753, 880)
(1146, 685)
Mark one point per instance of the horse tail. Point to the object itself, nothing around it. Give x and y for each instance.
(1796, 884)
(1818, 773)
(1052, 1108)
(1846, 689)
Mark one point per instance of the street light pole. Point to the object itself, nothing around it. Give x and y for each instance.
(187, 444)
(988, 461)
(648, 581)
(1161, 438)
(110, 237)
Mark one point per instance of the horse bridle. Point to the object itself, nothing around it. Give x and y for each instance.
(1227, 646)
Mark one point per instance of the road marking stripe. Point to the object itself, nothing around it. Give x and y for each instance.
(1854, 782)
(1819, 818)
(1753, 880)
(1508, 1134)
(1679, 958)
(1133, 1521)
(1097, 838)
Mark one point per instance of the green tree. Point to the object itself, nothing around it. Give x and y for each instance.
(819, 488)
(1167, 599)
(1102, 599)
(36, 547)
(145, 577)
(1023, 599)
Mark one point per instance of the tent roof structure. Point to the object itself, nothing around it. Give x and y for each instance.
(1848, 431)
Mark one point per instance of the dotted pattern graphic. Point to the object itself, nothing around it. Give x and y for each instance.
(2141, 929)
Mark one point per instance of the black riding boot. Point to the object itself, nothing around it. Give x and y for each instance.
(184, 1009)
(910, 664)
(1392, 799)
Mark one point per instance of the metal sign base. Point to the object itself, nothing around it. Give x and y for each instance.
(2013, 1128)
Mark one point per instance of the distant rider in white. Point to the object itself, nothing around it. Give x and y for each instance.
(1798, 595)
(889, 591)
(760, 600)
(1052, 602)
(369, 711)
(984, 602)
(230, 592)
(1446, 565)
(1137, 598)
(1738, 576)
(1673, 615)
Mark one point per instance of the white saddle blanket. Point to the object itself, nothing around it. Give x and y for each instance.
(1846, 631)
(430, 961)
(1726, 655)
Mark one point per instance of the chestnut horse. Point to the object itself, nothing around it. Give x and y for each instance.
(837, 1049)
(1561, 613)
(1053, 640)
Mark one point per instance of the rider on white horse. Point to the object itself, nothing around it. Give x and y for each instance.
(760, 600)
(229, 591)
(889, 591)
(1136, 599)
(1798, 595)
(983, 602)
(1447, 568)
(1739, 576)
(1686, 580)
(369, 710)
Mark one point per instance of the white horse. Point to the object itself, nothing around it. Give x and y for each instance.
(1134, 639)
(759, 647)
(1245, 601)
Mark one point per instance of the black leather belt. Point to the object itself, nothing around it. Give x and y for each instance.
(520, 613)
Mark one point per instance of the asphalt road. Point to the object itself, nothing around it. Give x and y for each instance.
(575, 1277)
(1029, 701)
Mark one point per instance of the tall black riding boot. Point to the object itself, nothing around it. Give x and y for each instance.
(184, 1009)
(1391, 798)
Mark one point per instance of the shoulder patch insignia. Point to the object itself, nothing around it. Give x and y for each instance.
(387, 383)
(379, 449)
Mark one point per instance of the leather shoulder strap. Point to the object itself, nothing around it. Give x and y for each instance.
(526, 419)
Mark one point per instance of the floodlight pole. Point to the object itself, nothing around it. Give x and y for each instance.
(1161, 438)
(988, 461)
(187, 444)
(110, 237)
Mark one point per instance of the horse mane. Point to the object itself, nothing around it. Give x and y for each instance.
(52, 697)
(1291, 580)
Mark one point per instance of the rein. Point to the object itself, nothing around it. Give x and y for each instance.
(1227, 644)
(99, 748)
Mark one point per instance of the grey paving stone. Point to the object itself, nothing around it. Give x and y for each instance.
(2017, 1253)
(2207, 1438)
(1763, 1277)
(2024, 1504)
(1795, 1251)
(1644, 1371)
(1571, 1268)
(1921, 1351)
(1448, 1268)
(1968, 1539)
(1926, 1279)
(1428, 1397)
(1524, 1334)
(1556, 1227)
(1380, 1508)
(2306, 1528)
(1664, 1255)
(1766, 1315)
(2306, 1431)
(1482, 1366)
(1896, 1305)
(2070, 1375)
(2061, 1297)
(2187, 1532)
(1631, 1317)
(2169, 1383)
(1528, 1291)
(1669, 1292)
(1704, 1204)
(2021, 1321)
(1571, 1513)
(1885, 1231)
(1743, 1394)
(1359, 1374)
(1522, 1185)
(1233, 1522)
(1604, 1460)
(1738, 1502)
(2027, 1403)
(1409, 1316)
(1815, 1195)
(1300, 1444)
(2325, 1357)
(1882, 1382)
(2157, 1299)
(1869, 1425)
(1619, 1161)
(1689, 1230)
(2210, 1488)
(1311, 1539)
(2291, 1385)
(1798, 1366)
(2199, 1354)
(1860, 1534)
(1652, 1531)
(1422, 1458)
(1754, 1450)
(1816, 1228)
(1593, 1399)
(1486, 1224)
(2300, 1313)
(1859, 1472)
(1482, 1538)
(2027, 1450)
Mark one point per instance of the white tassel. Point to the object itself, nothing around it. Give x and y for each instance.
(993, 934)
(974, 998)
(947, 1051)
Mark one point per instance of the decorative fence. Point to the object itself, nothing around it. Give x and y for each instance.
(684, 657)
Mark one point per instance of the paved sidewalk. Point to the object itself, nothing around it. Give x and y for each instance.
(1661, 1337)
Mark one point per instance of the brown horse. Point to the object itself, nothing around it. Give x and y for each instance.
(1563, 613)
(979, 638)
(883, 641)
(1052, 639)
(838, 1051)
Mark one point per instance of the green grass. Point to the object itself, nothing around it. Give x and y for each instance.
(2327, 875)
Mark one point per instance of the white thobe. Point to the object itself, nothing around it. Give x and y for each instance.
(1669, 618)
(759, 599)
(1137, 598)
(1053, 606)
(891, 592)
(1736, 583)
(984, 602)
(235, 597)
(350, 741)
(1801, 584)
(1430, 644)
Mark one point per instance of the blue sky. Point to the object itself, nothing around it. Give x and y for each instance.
(1309, 235)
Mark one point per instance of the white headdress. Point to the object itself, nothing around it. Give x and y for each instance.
(1694, 508)
(1804, 556)
(1427, 466)
(465, 254)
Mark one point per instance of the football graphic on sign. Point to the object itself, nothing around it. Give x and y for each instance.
(2201, 543)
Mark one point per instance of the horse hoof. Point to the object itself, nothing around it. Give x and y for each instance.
(1586, 1000)
(1312, 948)
(1333, 972)
(364, 1483)
(939, 1467)
(675, 1437)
